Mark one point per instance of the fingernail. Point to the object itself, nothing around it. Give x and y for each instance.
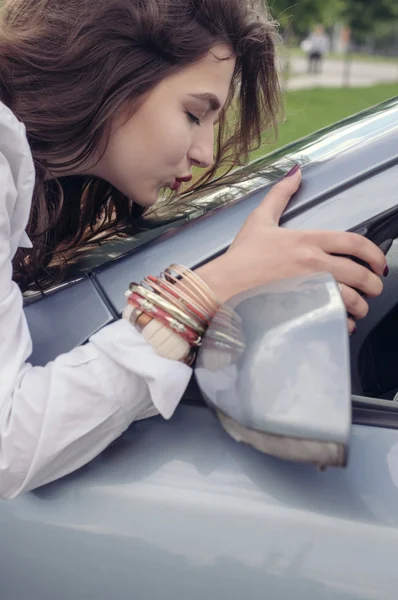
(386, 271)
(354, 331)
(292, 171)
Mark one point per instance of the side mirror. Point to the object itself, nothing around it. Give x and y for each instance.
(274, 366)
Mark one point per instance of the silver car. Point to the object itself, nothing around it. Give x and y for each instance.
(189, 509)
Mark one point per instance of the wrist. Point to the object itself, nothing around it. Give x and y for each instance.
(215, 275)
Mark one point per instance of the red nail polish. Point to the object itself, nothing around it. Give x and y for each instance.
(386, 271)
(292, 171)
(354, 331)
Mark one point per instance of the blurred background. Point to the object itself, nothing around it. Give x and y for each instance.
(338, 57)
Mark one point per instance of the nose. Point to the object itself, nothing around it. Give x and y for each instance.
(201, 153)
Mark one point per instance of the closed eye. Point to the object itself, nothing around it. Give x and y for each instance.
(194, 119)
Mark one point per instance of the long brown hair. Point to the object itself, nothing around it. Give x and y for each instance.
(68, 66)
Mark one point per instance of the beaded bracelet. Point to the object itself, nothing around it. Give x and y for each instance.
(168, 290)
(166, 342)
(165, 318)
(172, 311)
(178, 313)
(191, 282)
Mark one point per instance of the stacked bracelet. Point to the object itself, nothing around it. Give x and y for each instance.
(172, 311)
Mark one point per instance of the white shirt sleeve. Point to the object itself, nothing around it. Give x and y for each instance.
(56, 418)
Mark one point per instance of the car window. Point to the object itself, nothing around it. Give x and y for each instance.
(374, 348)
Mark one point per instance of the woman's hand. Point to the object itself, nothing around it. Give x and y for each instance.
(263, 252)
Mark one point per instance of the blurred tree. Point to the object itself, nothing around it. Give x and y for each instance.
(299, 16)
(362, 16)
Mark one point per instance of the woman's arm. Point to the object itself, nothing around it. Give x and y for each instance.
(56, 418)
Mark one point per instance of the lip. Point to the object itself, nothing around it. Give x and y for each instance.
(175, 185)
(184, 179)
(178, 181)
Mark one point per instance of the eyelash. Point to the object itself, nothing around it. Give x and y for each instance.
(194, 119)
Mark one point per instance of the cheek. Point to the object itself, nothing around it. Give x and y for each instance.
(168, 137)
(152, 143)
(176, 148)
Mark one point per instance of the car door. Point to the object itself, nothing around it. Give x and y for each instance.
(328, 534)
(178, 509)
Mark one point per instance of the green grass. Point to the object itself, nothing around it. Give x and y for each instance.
(354, 56)
(310, 110)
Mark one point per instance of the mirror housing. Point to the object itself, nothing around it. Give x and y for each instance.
(274, 367)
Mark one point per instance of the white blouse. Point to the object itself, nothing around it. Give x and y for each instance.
(56, 418)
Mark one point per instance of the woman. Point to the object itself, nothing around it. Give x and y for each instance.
(125, 93)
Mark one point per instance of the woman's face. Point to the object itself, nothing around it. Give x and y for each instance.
(170, 132)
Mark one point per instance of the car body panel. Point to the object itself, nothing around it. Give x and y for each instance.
(93, 302)
(178, 509)
(64, 320)
(215, 231)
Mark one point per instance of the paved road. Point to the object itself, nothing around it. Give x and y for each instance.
(361, 74)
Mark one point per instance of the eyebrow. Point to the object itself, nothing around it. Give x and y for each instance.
(214, 102)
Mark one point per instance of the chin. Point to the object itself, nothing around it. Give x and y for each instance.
(145, 198)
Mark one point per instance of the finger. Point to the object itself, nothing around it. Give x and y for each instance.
(351, 326)
(356, 306)
(351, 244)
(275, 202)
(355, 276)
